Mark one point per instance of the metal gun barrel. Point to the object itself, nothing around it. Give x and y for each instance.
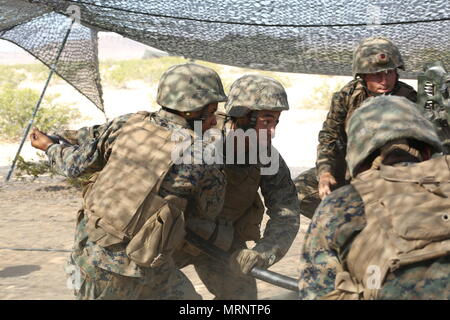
(261, 274)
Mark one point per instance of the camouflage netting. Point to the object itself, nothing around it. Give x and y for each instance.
(280, 35)
(40, 31)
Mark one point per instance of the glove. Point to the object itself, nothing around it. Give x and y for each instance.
(242, 261)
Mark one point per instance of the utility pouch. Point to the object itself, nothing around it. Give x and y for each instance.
(160, 235)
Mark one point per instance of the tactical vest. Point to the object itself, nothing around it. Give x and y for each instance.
(407, 209)
(243, 208)
(122, 204)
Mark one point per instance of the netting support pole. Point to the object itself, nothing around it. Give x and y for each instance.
(38, 104)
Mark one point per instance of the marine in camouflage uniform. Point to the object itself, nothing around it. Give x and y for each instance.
(108, 272)
(341, 216)
(373, 55)
(254, 102)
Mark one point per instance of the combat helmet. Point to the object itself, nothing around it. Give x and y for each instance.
(253, 93)
(382, 119)
(376, 54)
(189, 87)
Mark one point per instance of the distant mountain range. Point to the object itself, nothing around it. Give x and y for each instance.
(111, 46)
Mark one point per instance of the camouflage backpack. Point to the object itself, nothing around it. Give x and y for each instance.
(406, 206)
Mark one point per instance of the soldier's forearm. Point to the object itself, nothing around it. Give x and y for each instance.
(324, 167)
(72, 161)
(69, 137)
(327, 153)
(278, 237)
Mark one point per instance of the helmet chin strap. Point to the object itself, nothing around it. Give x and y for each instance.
(252, 115)
(253, 118)
(203, 116)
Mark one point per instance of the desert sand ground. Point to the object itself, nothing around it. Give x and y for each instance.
(41, 215)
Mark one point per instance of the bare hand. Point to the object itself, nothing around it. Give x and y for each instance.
(39, 140)
(326, 180)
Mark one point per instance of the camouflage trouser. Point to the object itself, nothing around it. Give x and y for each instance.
(162, 283)
(218, 278)
(308, 191)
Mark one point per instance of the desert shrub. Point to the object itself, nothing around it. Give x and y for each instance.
(9, 75)
(16, 109)
(118, 73)
(34, 71)
(152, 54)
(33, 169)
(79, 182)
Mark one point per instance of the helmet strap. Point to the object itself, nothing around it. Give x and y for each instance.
(252, 116)
(202, 117)
(398, 150)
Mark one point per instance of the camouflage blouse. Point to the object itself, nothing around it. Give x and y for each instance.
(338, 219)
(332, 138)
(204, 184)
(283, 208)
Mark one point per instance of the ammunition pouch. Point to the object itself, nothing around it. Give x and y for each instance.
(219, 233)
(160, 235)
(151, 244)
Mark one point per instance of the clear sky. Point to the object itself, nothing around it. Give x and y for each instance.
(6, 46)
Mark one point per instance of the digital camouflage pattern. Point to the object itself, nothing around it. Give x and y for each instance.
(341, 215)
(202, 184)
(282, 205)
(331, 150)
(307, 187)
(383, 119)
(283, 209)
(110, 274)
(217, 276)
(338, 219)
(333, 138)
(376, 54)
(255, 92)
(320, 256)
(189, 87)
